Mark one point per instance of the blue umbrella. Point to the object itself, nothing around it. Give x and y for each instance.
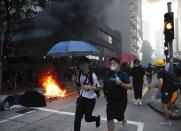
(72, 48)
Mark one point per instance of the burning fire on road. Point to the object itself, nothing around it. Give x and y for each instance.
(52, 88)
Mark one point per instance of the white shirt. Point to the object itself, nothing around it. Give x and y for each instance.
(90, 94)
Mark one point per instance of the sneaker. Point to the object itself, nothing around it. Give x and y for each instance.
(166, 123)
(124, 122)
(98, 119)
(136, 102)
(140, 103)
(173, 114)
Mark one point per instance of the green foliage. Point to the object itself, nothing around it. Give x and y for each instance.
(15, 11)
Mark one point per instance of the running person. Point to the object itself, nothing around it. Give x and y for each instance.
(87, 95)
(149, 72)
(166, 80)
(137, 74)
(116, 84)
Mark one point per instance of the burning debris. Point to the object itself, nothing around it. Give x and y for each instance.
(52, 88)
(28, 99)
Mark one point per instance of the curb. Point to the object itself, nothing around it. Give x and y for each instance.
(158, 109)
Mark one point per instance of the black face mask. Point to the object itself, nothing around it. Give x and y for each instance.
(82, 67)
(136, 65)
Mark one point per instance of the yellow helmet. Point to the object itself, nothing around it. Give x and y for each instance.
(160, 62)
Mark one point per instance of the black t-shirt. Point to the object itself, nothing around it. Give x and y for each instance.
(111, 89)
(168, 80)
(138, 73)
(149, 70)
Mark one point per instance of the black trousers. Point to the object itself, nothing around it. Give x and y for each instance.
(116, 109)
(138, 87)
(85, 107)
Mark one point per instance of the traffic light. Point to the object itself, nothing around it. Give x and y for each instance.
(166, 48)
(169, 26)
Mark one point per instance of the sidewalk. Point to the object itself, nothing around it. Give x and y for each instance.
(157, 106)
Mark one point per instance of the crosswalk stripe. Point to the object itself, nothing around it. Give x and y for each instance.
(14, 117)
(140, 125)
(145, 89)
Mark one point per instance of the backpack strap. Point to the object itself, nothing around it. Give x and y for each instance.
(85, 81)
(90, 77)
(79, 84)
(79, 77)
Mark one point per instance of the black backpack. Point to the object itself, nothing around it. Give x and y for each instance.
(89, 77)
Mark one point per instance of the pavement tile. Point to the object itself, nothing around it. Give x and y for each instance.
(11, 125)
(33, 117)
(158, 108)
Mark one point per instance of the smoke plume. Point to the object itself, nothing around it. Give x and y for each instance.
(71, 17)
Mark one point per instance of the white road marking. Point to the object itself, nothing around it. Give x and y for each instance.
(145, 90)
(14, 117)
(140, 125)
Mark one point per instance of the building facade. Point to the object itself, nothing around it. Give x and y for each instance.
(159, 45)
(147, 31)
(179, 30)
(128, 22)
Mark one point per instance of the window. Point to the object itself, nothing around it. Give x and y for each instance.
(104, 36)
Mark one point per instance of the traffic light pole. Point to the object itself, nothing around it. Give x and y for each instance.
(171, 54)
(170, 43)
(1, 61)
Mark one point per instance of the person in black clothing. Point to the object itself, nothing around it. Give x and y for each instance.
(116, 84)
(126, 68)
(149, 72)
(87, 95)
(137, 73)
(166, 79)
(177, 70)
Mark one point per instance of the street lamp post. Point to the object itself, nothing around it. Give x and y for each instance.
(1, 62)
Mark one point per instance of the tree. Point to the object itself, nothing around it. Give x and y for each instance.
(147, 52)
(14, 15)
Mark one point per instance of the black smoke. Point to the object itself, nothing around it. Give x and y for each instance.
(71, 17)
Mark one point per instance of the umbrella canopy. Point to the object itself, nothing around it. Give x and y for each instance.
(127, 57)
(72, 48)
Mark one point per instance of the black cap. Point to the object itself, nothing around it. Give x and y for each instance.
(116, 59)
(136, 61)
(84, 60)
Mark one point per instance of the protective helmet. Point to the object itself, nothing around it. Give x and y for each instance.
(160, 62)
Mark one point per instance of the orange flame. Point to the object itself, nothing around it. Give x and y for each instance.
(51, 88)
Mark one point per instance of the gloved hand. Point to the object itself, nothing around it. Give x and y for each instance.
(158, 95)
